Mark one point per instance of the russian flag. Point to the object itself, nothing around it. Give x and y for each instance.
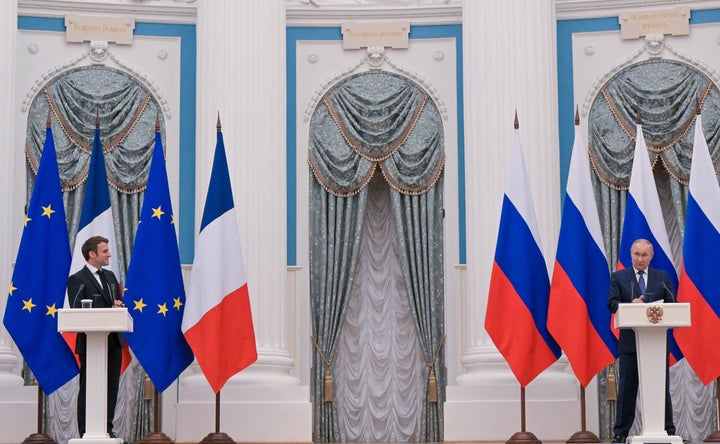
(699, 277)
(516, 316)
(96, 219)
(578, 317)
(644, 219)
(218, 322)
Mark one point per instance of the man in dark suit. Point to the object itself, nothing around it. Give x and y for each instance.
(638, 284)
(95, 283)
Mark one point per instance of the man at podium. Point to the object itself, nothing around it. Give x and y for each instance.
(100, 286)
(639, 284)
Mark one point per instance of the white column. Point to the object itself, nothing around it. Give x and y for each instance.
(241, 74)
(509, 63)
(9, 361)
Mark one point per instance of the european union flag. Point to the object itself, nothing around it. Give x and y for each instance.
(154, 294)
(37, 289)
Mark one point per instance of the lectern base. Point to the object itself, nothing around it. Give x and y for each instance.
(655, 438)
(95, 440)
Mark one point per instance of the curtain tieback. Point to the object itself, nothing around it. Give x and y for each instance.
(432, 379)
(328, 386)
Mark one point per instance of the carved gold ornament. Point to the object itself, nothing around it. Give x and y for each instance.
(654, 314)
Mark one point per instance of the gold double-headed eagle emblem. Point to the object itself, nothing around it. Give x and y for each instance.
(654, 314)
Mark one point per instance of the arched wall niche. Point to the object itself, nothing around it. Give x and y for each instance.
(153, 61)
(322, 64)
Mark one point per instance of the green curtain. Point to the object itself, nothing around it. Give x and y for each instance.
(336, 226)
(419, 226)
(375, 121)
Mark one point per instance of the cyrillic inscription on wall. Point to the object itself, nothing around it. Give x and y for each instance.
(670, 21)
(82, 28)
(358, 35)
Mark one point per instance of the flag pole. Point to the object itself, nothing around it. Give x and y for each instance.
(583, 435)
(156, 436)
(39, 437)
(217, 437)
(715, 435)
(523, 436)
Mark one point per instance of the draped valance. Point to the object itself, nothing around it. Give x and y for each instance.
(391, 125)
(126, 111)
(665, 93)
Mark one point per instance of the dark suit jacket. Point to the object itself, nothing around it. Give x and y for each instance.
(101, 299)
(624, 288)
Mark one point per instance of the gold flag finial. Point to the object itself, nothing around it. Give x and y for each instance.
(218, 126)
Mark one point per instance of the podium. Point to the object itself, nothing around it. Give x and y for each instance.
(96, 323)
(650, 322)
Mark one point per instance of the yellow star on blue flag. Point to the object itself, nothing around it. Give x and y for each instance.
(39, 279)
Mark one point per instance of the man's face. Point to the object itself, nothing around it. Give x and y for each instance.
(641, 254)
(101, 258)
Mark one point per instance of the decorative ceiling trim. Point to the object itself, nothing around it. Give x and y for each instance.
(152, 11)
(584, 9)
(333, 13)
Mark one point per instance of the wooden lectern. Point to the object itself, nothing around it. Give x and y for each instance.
(96, 323)
(650, 323)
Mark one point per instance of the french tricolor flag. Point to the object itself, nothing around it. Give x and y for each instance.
(217, 322)
(96, 219)
(578, 317)
(699, 277)
(516, 316)
(644, 220)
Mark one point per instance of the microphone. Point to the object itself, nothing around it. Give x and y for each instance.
(112, 293)
(80, 289)
(672, 295)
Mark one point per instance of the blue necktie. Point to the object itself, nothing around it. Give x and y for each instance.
(641, 282)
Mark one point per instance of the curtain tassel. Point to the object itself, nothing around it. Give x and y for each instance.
(328, 386)
(432, 386)
(611, 388)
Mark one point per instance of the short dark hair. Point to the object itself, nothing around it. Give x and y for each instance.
(91, 245)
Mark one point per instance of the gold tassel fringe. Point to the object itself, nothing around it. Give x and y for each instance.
(432, 387)
(328, 386)
(611, 388)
